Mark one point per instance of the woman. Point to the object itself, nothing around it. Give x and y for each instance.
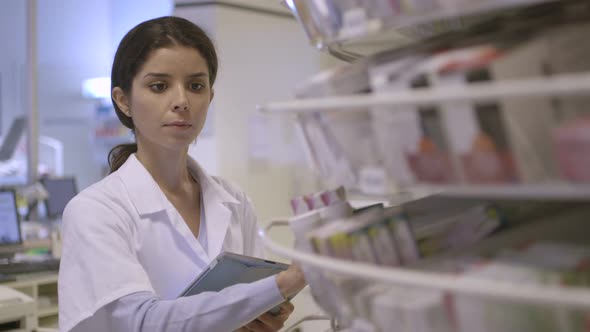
(134, 240)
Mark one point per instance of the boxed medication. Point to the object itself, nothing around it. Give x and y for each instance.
(340, 143)
(509, 140)
(411, 139)
(410, 309)
(476, 132)
(571, 142)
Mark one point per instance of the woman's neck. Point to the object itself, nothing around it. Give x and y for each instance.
(169, 168)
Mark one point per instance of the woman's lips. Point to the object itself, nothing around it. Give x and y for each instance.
(178, 124)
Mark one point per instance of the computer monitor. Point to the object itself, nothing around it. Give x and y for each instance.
(10, 235)
(61, 191)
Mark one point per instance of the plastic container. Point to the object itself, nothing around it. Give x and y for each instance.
(572, 150)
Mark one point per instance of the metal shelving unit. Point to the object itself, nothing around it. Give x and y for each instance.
(569, 227)
(464, 22)
(558, 85)
(422, 33)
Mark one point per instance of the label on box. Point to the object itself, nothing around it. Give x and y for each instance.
(373, 180)
(383, 245)
(361, 247)
(355, 23)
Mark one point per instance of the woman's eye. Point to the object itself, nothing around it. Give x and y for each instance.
(158, 87)
(196, 86)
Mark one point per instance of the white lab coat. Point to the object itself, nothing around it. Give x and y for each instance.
(122, 236)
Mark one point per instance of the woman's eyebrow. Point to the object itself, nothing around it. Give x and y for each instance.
(164, 75)
(156, 75)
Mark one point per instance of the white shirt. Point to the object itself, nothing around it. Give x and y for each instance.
(122, 236)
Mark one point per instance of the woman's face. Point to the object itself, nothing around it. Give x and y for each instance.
(169, 98)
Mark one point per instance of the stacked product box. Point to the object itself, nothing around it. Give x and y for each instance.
(408, 309)
(393, 236)
(341, 144)
(399, 308)
(476, 132)
(533, 139)
(571, 142)
(411, 139)
(440, 224)
(311, 212)
(510, 140)
(496, 141)
(377, 236)
(401, 235)
(543, 264)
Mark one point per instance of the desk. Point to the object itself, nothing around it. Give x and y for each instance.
(42, 287)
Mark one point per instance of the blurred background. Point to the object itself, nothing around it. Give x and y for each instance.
(440, 148)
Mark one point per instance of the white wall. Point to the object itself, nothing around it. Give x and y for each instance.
(259, 64)
(124, 15)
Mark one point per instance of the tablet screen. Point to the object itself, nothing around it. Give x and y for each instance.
(229, 269)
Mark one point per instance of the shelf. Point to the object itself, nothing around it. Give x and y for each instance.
(33, 279)
(37, 244)
(559, 85)
(358, 199)
(530, 192)
(551, 229)
(49, 311)
(439, 25)
(407, 29)
(48, 324)
(553, 192)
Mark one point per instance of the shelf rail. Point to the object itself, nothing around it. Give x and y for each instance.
(558, 85)
(541, 191)
(541, 294)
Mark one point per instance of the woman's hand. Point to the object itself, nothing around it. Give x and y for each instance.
(291, 281)
(268, 322)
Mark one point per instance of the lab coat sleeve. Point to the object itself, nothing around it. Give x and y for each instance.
(98, 263)
(227, 310)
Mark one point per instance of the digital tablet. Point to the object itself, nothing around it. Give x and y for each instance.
(229, 269)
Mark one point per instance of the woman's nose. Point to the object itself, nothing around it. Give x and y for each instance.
(180, 102)
(181, 107)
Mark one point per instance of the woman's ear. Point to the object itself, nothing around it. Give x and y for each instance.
(121, 100)
(212, 95)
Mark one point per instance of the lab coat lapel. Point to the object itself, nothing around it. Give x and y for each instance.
(218, 218)
(182, 228)
(218, 215)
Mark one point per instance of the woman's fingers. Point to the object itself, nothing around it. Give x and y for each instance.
(268, 322)
(259, 325)
(287, 306)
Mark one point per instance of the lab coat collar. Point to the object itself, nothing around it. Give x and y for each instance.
(208, 183)
(147, 197)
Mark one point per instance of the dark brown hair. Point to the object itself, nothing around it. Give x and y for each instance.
(133, 52)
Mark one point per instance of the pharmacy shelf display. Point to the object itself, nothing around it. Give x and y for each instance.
(466, 124)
